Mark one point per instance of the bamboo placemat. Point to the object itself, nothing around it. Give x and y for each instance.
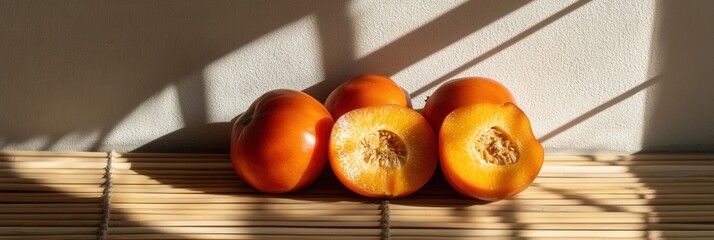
(69, 195)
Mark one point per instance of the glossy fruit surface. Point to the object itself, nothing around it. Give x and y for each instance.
(384, 151)
(488, 151)
(280, 143)
(460, 93)
(365, 91)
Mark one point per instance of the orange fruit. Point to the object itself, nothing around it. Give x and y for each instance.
(386, 151)
(488, 151)
(460, 93)
(279, 144)
(365, 91)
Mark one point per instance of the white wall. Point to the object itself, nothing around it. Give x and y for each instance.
(594, 76)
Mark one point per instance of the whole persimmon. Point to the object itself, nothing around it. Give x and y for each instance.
(488, 151)
(365, 91)
(280, 143)
(386, 151)
(462, 92)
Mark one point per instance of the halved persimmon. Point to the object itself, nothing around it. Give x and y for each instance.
(488, 151)
(365, 91)
(460, 93)
(384, 151)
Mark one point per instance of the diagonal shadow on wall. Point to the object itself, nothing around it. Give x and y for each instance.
(505, 45)
(678, 116)
(51, 73)
(340, 63)
(416, 45)
(83, 66)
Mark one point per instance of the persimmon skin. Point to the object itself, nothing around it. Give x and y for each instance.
(487, 181)
(365, 91)
(462, 92)
(279, 144)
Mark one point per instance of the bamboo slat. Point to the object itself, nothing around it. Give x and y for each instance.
(58, 195)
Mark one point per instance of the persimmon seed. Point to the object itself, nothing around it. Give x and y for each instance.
(494, 147)
(383, 148)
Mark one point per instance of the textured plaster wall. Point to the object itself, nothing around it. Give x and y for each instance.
(594, 76)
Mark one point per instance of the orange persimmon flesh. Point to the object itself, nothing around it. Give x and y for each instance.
(488, 151)
(365, 91)
(384, 151)
(460, 93)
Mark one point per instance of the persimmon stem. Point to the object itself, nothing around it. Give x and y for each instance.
(247, 120)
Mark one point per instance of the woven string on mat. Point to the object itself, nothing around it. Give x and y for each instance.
(384, 223)
(107, 204)
(106, 198)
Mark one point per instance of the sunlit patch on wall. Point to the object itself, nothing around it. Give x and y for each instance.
(287, 57)
(165, 109)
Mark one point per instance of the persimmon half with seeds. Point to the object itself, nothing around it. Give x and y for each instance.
(488, 151)
(386, 151)
(462, 92)
(365, 90)
(279, 144)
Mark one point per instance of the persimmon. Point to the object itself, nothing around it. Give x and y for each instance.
(365, 91)
(280, 143)
(488, 151)
(460, 93)
(386, 151)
